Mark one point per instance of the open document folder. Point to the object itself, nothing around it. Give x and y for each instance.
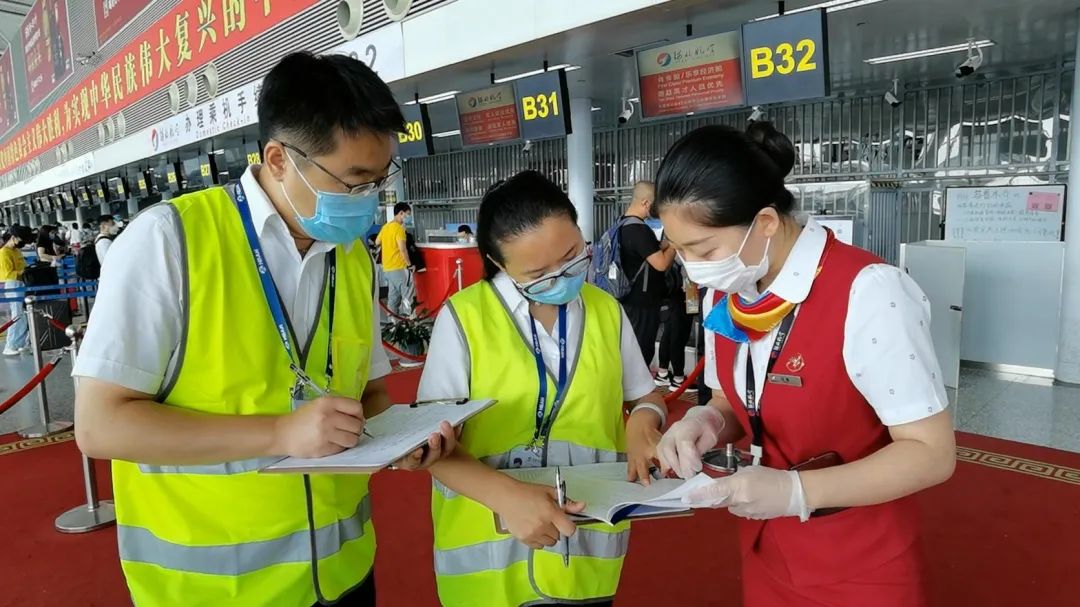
(609, 497)
(394, 433)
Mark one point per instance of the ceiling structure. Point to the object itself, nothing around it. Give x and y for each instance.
(12, 13)
(1025, 34)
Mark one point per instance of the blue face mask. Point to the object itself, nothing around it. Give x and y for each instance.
(565, 289)
(339, 218)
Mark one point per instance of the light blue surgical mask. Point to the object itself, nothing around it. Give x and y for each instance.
(339, 218)
(565, 290)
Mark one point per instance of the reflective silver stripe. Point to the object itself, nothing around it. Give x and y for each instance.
(500, 554)
(140, 545)
(234, 467)
(560, 453)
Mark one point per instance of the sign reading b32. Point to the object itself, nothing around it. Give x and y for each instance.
(786, 58)
(543, 105)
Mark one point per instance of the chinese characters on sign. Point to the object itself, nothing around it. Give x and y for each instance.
(488, 115)
(113, 15)
(691, 76)
(46, 43)
(9, 110)
(189, 35)
(1004, 213)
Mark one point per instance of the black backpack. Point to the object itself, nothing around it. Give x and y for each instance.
(87, 265)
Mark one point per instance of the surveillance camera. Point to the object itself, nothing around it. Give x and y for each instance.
(756, 115)
(971, 64)
(627, 111)
(891, 99)
(527, 147)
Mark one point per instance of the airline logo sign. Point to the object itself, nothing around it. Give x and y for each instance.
(691, 76)
(488, 115)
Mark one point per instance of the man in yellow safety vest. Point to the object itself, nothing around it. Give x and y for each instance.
(216, 313)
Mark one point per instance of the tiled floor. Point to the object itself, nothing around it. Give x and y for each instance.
(1018, 407)
(1013, 407)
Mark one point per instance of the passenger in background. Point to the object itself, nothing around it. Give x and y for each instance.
(535, 263)
(47, 249)
(107, 231)
(465, 234)
(397, 269)
(235, 326)
(644, 259)
(75, 237)
(677, 325)
(12, 265)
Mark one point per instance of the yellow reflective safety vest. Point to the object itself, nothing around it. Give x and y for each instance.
(476, 566)
(222, 534)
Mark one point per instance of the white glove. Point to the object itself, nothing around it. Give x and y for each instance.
(688, 439)
(755, 492)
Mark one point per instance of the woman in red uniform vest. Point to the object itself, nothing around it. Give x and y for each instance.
(821, 354)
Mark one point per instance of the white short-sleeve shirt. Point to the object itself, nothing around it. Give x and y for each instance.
(134, 329)
(888, 352)
(447, 369)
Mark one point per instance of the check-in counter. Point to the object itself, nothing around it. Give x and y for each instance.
(440, 280)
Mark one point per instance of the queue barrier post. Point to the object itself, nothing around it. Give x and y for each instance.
(94, 514)
(458, 273)
(44, 427)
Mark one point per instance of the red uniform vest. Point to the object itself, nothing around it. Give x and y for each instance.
(827, 413)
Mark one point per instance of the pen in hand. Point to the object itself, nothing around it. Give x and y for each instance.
(314, 387)
(560, 492)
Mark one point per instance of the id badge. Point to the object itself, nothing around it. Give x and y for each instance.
(527, 456)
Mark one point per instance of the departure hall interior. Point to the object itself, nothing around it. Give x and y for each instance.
(794, 287)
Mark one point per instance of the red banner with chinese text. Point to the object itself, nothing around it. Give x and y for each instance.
(193, 33)
(691, 76)
(113, 15)
(488, 115)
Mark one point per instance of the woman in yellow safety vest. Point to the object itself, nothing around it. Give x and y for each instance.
(534, 317)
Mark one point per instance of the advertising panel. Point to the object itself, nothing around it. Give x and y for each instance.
(488, 115)
(46, 44)
(692, 76)
(9, 107)
(113, 15)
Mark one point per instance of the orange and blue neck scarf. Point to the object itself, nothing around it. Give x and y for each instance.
(743, 322)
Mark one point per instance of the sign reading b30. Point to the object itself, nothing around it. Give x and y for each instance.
(541, 102)
(786, 58)
(415, 141)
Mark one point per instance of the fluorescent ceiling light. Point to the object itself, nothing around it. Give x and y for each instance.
(832, 6)
(595, 109)
(444, 96)
(930, 52)
(553, 68)
(447, 134)
(634, 100)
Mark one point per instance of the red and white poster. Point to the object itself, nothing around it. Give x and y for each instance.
(46, 41)
(488, 116)
(9, 108)
(692, 76)
(113, 15)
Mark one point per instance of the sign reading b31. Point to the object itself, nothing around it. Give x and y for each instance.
(543, 108)
(786, 58)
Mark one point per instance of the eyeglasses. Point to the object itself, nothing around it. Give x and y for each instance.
(359, 189)
(573, 268)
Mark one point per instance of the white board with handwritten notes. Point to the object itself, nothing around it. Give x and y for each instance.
(1021, 213)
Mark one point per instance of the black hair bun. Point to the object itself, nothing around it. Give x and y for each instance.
(774, 143)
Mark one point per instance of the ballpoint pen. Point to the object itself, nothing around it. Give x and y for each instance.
(314, 387)
(560, 494)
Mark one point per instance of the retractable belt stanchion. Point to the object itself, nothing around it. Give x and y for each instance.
(95, 513)
(458, 273)
(44, 427)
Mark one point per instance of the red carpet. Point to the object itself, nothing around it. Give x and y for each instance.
(1001, 533)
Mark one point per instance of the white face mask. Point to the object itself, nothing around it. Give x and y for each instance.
(729, 275)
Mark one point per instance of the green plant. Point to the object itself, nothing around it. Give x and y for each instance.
(410, 335)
